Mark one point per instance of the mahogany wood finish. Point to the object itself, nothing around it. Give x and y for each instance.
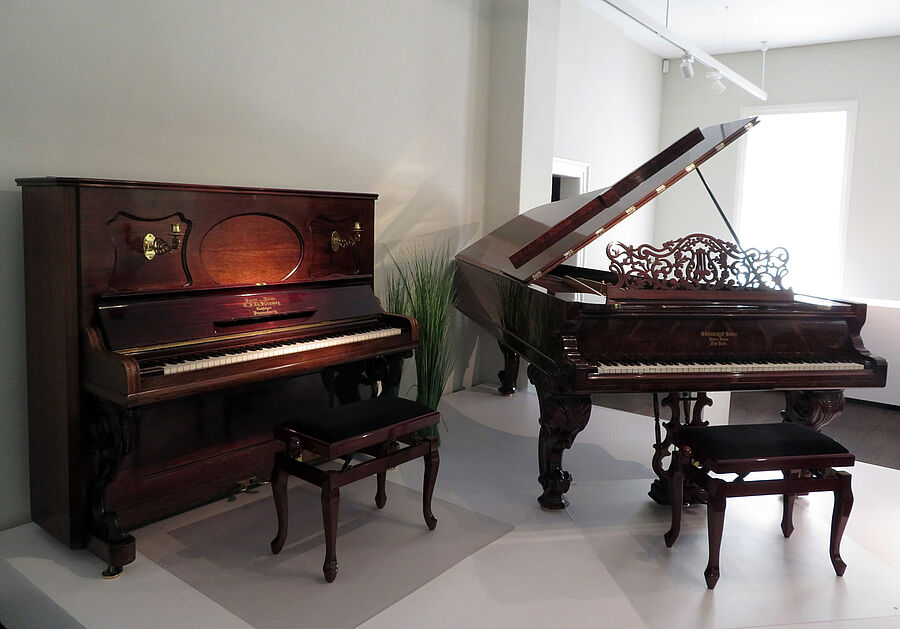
(812, 408)
(383, 440)
(696, 262)
(608, 198)
(510, 372)
(686, 410)
(534, 243)
(122, 276)
(563, 416)
(571, 323)
(803, 473)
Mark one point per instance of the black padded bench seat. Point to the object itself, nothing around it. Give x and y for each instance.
(805, 458)
(334, 432)
(377, 426)
(728, 447)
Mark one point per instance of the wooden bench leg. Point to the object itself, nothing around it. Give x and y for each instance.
(279, 492)
(843, 502)
(676, 497)
(331, 498)
(787, 517)
(715, 519)
(380, 493)
(432, 461)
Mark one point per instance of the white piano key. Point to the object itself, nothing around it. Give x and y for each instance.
(207, 362)
(724, 367)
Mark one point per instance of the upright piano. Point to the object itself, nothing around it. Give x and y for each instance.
(697, 315)
(170, 326)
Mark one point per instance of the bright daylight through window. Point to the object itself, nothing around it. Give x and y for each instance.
(793, 192)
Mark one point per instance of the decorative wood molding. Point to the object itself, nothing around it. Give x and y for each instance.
(697, 262)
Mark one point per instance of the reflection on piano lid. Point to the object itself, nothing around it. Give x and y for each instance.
(533, 243)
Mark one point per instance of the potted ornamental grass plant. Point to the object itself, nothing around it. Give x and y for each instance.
(421, 286)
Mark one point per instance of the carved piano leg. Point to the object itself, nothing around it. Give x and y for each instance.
(111, 429)
(388, 370)
(679, 404)
(347, 381)
(562, 418)
(510, 372)
(812, 408)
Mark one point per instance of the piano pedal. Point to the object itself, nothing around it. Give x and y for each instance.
(248, 485)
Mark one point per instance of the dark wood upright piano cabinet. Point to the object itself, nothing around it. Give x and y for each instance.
(170, 326)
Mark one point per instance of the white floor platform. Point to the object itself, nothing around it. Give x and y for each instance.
(599, 563)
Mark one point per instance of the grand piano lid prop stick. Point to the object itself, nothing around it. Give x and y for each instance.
(586, 331)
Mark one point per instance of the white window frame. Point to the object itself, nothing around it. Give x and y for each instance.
(850, 106)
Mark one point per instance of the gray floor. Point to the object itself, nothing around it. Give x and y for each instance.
(601, 562)
(870, 431)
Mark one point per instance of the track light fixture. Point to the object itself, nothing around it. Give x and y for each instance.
(687, 65)
(716, 84)
(692, 52)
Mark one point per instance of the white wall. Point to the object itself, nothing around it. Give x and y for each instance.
(520, 135)
(388, 97)
(608, 95)
(566, 83)
(882, 336)
(864, 71)
(449, 109)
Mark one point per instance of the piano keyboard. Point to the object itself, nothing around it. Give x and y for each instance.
(628, 367)
(240, 355)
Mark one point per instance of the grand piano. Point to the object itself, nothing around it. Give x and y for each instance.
(170, 326)
(697, 315)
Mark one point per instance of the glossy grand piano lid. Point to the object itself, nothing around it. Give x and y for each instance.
(537, 241)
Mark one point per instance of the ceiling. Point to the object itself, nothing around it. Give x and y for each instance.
(721, 26)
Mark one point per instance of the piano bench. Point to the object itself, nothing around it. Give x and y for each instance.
(803, 456)
(376, 426)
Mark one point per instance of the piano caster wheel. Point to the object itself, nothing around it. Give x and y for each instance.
(111, 572)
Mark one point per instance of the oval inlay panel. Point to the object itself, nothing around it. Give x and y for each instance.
(251, 248)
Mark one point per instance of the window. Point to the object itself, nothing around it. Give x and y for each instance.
(793, 190)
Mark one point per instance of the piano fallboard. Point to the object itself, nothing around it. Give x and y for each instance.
(144, 323)
(120, 379)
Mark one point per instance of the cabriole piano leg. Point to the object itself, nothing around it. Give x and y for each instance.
(813, 408)
(111, 429)
(562, 418)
